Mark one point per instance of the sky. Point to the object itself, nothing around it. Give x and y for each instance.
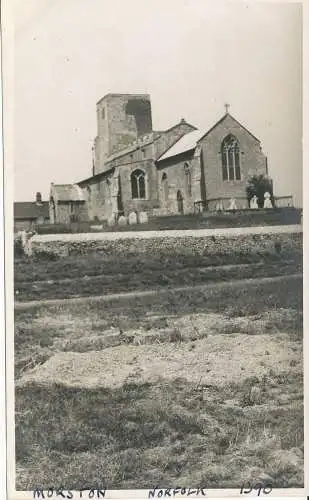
(191, 56)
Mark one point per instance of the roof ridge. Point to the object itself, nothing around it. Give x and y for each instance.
(181, 122)
(221, 120)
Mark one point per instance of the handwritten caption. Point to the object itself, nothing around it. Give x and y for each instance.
(259, 488)
(172, 492)
(63, 493)
(246, 489)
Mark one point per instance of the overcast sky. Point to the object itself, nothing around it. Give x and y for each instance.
(192, 56)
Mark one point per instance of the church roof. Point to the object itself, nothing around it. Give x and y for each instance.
(96, 177)
(185, 143)
(68, 192)
(190, 140)
(30, 209)
(234, 119)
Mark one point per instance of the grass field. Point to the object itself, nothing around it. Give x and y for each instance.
(199, 387)
(41, 278)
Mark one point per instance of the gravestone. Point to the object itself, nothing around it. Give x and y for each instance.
(254, 202)
(122, 221)
(267, 200)
(111, 221)
(132, 218)
(232, 205)
(143, 217)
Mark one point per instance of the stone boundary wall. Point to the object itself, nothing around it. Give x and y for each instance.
(187, 242)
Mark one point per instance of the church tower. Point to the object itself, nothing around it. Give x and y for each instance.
(121, 119)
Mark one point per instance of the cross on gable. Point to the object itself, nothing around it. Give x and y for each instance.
(227, 106)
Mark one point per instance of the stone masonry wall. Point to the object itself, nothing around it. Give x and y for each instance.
(121, 119)
(151, 200)
(166, 243)
(172, 179)
(252, 160)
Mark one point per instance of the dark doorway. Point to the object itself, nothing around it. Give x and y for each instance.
(180, 202)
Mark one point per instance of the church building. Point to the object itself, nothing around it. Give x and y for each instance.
(180, 170)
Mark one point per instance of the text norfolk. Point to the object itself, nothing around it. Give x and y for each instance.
(172, 492)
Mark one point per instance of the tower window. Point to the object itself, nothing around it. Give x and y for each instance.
(230, 159)
(103, 113)
(138, 184)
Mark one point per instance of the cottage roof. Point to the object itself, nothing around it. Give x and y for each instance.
(67, 192)
(31, 209)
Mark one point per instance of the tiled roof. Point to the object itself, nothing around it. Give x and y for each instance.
(68, 192)
(189, 140)
(185, 143)
(30, 210)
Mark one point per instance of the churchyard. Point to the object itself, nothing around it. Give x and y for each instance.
(145, 370)
(230, 218)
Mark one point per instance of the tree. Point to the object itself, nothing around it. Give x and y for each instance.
(258, 185)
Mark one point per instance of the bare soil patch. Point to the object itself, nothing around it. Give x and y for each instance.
(216, 360)
(201, 388)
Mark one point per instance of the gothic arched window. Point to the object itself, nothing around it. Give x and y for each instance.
(138, 184)
(230, 159)
(188, 178)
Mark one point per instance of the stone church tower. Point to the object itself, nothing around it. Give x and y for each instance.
(179, 170)
(121, 119)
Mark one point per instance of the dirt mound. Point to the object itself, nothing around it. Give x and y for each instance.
(215, 360)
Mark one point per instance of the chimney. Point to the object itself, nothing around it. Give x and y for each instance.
(38, 198)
